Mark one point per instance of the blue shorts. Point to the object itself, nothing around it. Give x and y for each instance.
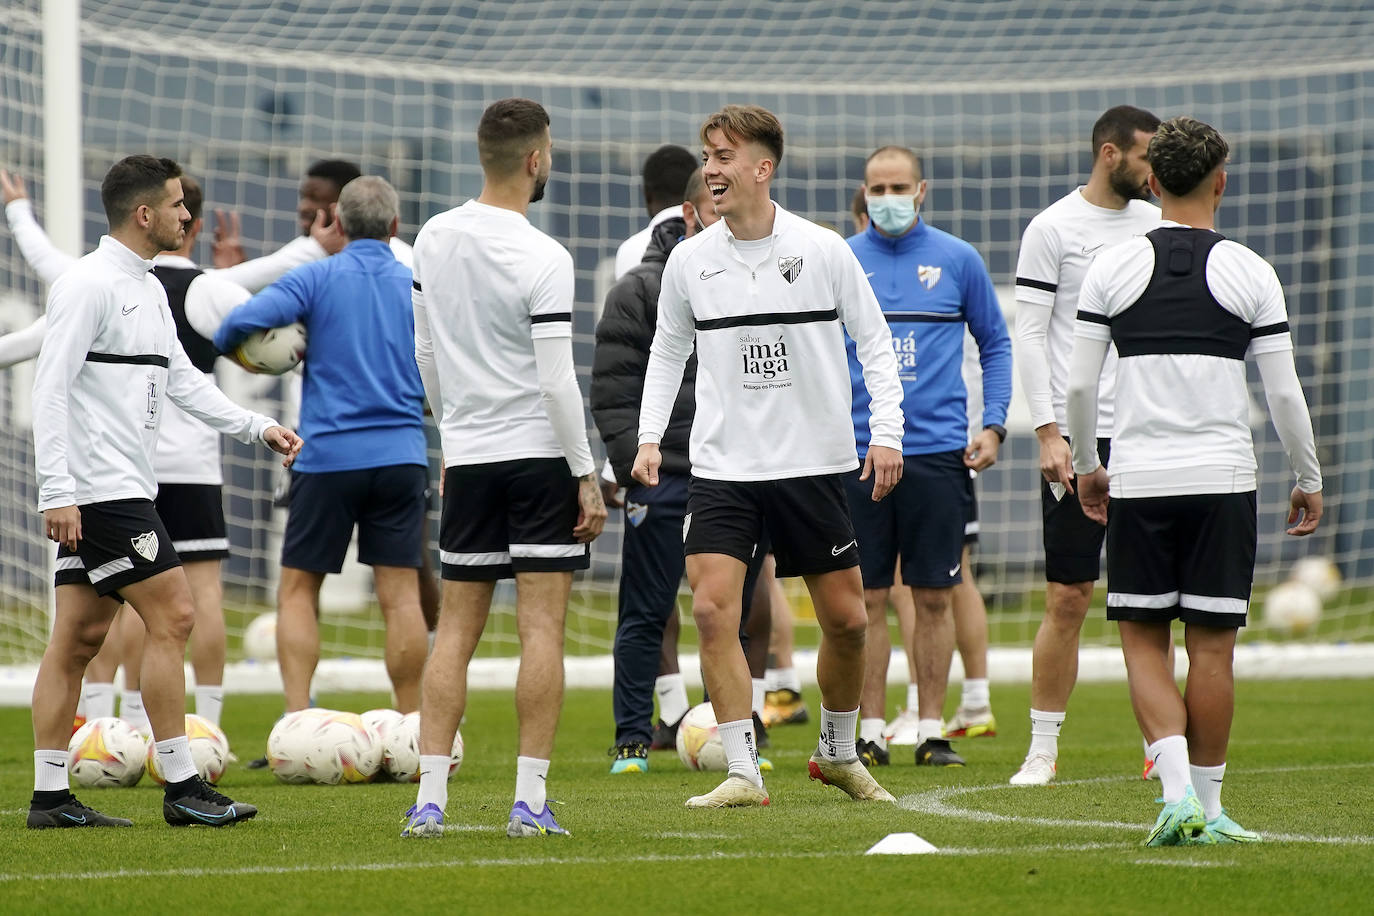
(387, 504)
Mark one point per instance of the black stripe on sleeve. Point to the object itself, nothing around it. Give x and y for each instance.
(139, 359)
(1268, 329)
(766, 318)
(416, 285)
(1037, 284)
(1093, 317)
(548, 317)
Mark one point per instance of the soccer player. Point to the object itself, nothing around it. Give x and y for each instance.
(930, 285)
(109, 362)
(1056, 250)
(665, 174)
(1184, 307)
(768, 297)
(493, 337)
(365, 463)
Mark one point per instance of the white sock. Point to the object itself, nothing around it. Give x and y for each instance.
(872, 730)
(672, 698)
(837, 735)
(770, 679)
(929, 728)
(1207, 784)
(100, 701)
(1170, 755)
(50, 771)
(174, 759)
(433, 781)
(209, 702)
(911, 698)
(788, 680)
(975, 695)
(741, 751)
(759, 691)
(1145, 746)
(131, 710)
(531, 774)
(1045, 728)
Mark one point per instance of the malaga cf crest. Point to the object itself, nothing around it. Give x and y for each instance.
(146, 545)
(791, 268)
(929, 276)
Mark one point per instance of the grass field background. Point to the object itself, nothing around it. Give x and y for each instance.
(1301, 772)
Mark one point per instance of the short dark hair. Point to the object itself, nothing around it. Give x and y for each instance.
(1185, 151)
(749, 123)
(895, 151)
(132, 182)
(194, 197)
(509, 129)
(337, 172)
(666, 171)
(1118, 125)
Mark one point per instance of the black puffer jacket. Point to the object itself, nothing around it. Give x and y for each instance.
(623, 338)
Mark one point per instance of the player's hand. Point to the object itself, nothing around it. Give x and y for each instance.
(227, 248)
(884, 465)
(610, 493)
(284, 442)
(1092, 494)
(12, 187)
(591, 510)
(63, 525)
(327, 231)
(647, 461)
(981, 453)
(1308, 507)
(1056, 458)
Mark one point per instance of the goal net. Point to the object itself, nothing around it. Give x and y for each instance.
(998, 97)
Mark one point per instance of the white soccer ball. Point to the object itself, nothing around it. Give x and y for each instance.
(209, 750)
(1293, 608)
(322, 746)
(380, 722)
(401, 750)
(260, 638)
(1318, 573)
(289, 743)
(106, 752)
(698, 740)
(272, 351)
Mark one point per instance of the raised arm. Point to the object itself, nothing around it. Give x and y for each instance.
(46, 259)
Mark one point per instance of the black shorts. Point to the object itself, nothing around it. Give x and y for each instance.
(387, 504)
(509, 517)
(1073, 542)
(923, 520)
(807, 519)
(194, 516)
(1185, 557)
(123, 541)
(971, 525)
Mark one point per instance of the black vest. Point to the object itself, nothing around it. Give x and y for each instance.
(177, 280)
(1177, 312)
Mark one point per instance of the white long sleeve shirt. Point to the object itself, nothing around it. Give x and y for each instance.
(768, 318)
(110, 360)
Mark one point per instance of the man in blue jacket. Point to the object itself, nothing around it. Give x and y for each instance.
(930, 285)
(363, 401)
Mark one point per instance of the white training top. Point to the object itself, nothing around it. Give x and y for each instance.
(631, 251)
(110, 361)
(487, 286)
(1056, 250)
(769, 318)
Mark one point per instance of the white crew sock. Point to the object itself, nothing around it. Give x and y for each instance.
(1045, 728)
(927, 729)
(1170, 755)
(174, 759)
(100, 700)
(672, 698)
(911, 698)
(837, 735)
(975, 695)
(209, 702)
(1207, 784)
(433, 781)
(788, 680)
(770, 679)
(531, 776)
(131, 710)
(741, 750)
(872, 730)
(759, 691)
(50, 771)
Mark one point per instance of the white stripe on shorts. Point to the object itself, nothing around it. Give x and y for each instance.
(200, 544)
(1151, 602)
(70, 563)
(101, 573)
(971, 527)
(495, 558)
(1214, 605)
(544, 551)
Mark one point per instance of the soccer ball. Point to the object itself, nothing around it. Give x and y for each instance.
(1293, 608)
(106, 752)
(260, 638)
(287, 745)
(209, 750)
(401, 750)
(380, 722)
(272, 351)
(322, 746)
(1318, 573)
(698, 740)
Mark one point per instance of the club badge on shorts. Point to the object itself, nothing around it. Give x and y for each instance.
(791, 268)
(145, 545)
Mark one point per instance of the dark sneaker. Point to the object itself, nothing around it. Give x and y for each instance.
(257, 763)
(71, 813)
(871, 754)
(936, 752)
(760, 733)
(664, 737)
(630, 758)
(197, 802)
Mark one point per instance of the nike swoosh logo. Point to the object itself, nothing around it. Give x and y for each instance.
(955, 571)
(53, 763)
(74, 819)
(1214, 779)
(128, 309)
(545, 778)
(167, 751)
(836, 551)
(705, 276)
(870, 274)
(208, 818)
(424, 773)
(1087, 250)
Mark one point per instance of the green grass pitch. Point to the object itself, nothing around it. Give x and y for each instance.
(1301, 772)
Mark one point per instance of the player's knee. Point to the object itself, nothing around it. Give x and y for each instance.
(174, 623)
(850, 628)
(86, 641)
(711, 615)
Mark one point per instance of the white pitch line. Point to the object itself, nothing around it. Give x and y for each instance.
(1181, 863)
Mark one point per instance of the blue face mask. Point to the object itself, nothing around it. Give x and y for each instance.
(893, 213)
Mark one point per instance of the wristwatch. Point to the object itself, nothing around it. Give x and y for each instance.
(999, 429)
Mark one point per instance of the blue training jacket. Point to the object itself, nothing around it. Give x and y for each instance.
(362, 403)
(930, 284)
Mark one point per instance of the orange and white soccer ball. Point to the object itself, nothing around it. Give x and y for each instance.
(401, 750)
(698, 740)
(272, 351)
(209, 750)
(323, 746)
(106, 752)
